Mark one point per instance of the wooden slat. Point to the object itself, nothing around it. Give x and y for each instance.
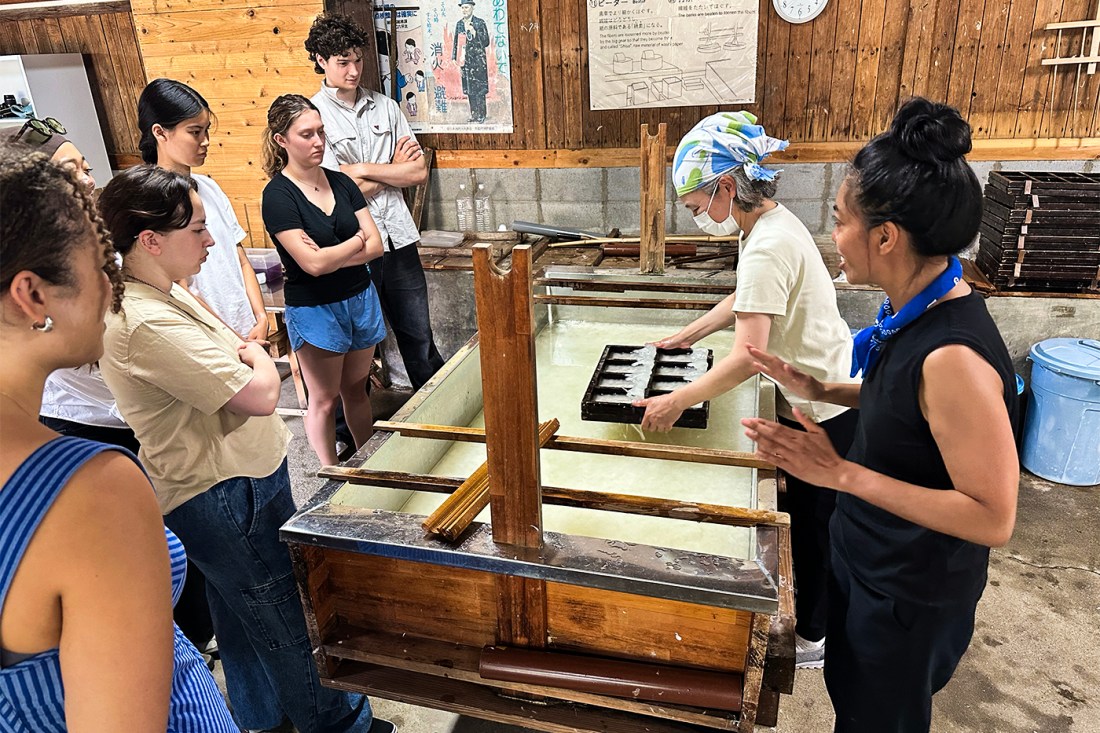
(988, 68)
(754, 671)
(1035, 94)
(918, 38)
(964, 55)
(311, 575)
(867, 62)
(659, 451)
(942, 47)
(818, 119)
(657, 303)
(844, 68)
(890, 65)
(652, 239)
(639, 627)
(581, 498)
(800, 46)
(1013, 63)
(773, 113)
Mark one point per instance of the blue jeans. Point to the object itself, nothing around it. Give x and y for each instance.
(231, 532)
(399, 279)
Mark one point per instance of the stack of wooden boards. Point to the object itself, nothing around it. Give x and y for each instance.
(1041, 231)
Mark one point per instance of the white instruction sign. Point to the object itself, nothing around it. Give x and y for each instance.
(671, 53)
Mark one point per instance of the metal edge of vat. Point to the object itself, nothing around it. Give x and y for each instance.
(572, 559)
(749, 584)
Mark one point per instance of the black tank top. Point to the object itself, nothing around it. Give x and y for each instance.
(892, 555)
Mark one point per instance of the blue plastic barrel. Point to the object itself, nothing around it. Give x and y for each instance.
(1062, 430)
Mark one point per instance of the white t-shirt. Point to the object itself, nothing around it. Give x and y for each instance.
(80, 395)
(781, 273)
(220, 281)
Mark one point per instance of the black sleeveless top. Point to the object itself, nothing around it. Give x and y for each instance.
(892, 555)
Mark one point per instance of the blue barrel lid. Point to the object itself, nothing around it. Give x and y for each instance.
(1075, 357)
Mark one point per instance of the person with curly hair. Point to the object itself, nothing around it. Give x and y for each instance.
(86, 565)
(368, 138)
(930, 482)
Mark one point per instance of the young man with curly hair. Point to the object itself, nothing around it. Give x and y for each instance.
(369, 139)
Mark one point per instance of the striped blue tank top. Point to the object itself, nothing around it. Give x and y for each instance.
(31, 692)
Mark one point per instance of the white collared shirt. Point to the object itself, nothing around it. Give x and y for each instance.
(367, 132)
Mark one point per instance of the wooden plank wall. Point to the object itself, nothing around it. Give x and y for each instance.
(240, 55)
(837, 79)
(104, 33)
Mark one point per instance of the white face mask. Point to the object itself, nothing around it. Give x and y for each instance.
(726, 228)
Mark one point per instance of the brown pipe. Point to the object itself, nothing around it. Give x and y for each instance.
(614, 677)
(631, 250)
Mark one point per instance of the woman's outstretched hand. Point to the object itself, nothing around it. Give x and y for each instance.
(808, 455)
(794, 380)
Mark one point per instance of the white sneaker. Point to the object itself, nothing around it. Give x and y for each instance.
(808, 654)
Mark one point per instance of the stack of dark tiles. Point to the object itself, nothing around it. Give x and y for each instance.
(1041, 232)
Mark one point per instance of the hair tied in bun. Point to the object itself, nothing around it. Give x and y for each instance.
(930, 132)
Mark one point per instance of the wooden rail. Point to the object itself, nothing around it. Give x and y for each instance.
(581, 498)
(714, 456)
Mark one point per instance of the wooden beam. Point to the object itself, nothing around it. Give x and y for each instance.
(1068, 148)
(652, 161)
(754, 671)
(506, 329)
(697, 305)
(714, 456)
(582, 498)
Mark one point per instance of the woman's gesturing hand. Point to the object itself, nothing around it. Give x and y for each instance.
(798, 382)
(808, 454)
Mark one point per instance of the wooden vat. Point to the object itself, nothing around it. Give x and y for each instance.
(401, 615)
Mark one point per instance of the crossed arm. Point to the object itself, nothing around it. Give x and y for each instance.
(407, 168)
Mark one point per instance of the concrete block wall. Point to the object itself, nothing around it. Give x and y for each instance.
(600, 199)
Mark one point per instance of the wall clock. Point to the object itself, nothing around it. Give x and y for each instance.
(799, 11)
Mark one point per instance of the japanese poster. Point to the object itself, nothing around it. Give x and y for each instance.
(453, 70)
(671, 53)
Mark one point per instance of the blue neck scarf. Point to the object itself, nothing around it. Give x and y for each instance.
(867, 344)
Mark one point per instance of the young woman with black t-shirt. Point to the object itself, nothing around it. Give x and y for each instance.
(930, 482)
(325, 236)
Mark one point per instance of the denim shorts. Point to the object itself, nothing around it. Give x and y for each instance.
(349, 325)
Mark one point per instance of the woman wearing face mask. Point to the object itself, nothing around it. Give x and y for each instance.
(930, 482)
(174, 121)
(784, 298)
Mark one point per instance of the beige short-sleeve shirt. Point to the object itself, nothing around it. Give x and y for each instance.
(781, 273)
(172, 366)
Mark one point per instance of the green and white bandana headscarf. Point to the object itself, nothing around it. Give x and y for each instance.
(717, 145)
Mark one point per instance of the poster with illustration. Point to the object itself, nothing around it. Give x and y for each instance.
(447, 64)
(671, 53)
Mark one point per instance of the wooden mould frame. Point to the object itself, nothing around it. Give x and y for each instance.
(393, 613)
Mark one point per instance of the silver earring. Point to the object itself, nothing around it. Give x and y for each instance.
(44, 327)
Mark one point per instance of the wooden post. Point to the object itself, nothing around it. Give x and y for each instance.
(506, 330)
(652, 252)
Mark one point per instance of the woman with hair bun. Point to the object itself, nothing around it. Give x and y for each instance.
(930, 482)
